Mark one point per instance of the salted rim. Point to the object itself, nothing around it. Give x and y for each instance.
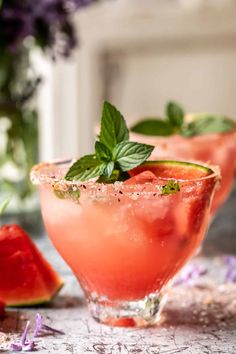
(42, 173)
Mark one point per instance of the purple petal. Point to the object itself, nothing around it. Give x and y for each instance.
(189, 273)
(231, 275)
(16, 347)
(25, 333)
(29, 347)
(230, 260)
(39, 323)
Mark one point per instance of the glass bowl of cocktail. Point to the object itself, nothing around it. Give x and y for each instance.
(206, 137)
(126, 228)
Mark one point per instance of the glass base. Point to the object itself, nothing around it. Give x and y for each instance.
(140, 313)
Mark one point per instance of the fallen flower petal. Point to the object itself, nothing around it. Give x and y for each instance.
(230, 260)
(30, 345)
(25, 333)
(39, 323)
(16, 347)
(189, 273)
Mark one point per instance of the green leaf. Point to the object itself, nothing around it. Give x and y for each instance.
(171, 187)
(116, 175)
(70, 194)
(205, 123)
(85, 168)
(175, 114)
(113, 127)
(151, 126)
(112, 179)
(114, 154)
(4, 205)
(109, 169)
(130, 154)
(102, 152)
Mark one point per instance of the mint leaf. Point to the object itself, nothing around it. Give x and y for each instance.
(109, 169)
(113, 127)
(128, 154)
(70, 194)
(175, 114)
(85, 168)
(114, 154)
(102, 152)
(116, 175)
(205, 123)
(151, 126)
(171, 187)
(4, 205)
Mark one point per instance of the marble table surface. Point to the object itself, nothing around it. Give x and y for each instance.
(196, 319)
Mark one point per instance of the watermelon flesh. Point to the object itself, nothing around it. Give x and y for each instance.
(172, 169)
(142, 178)
(185, 213)
(26, 277)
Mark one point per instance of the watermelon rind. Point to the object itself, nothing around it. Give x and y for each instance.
(183, 164)
(39, 301)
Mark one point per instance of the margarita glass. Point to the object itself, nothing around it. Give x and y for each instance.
(124, 241)
(217, 149)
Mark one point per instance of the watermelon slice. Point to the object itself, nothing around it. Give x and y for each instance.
(26, 277)
(173, 169)
(185, 171)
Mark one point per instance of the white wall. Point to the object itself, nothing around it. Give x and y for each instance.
(139, 54)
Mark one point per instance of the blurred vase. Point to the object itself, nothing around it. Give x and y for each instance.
(18, 136)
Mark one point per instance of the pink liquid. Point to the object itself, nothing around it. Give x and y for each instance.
(126, 247)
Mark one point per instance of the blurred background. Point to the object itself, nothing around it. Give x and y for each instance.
(59, 60)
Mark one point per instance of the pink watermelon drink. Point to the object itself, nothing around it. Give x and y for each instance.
(125, 241)
(124, 225)
(214, 142)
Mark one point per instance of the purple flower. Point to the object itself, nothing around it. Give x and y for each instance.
(189, 273)
(29, 345)
(230, 262)
(47, 21)
(82, 3)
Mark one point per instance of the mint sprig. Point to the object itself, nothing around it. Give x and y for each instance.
(175, 114)
(113, 127)
(171, 187)
(85, 168)
(174, 123)
(153, 126)
(204, 123)
(114, 154)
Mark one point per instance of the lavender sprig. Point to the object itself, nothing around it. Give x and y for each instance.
(230, 262)
(190, 273)
(47, 21)
(30, 345)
